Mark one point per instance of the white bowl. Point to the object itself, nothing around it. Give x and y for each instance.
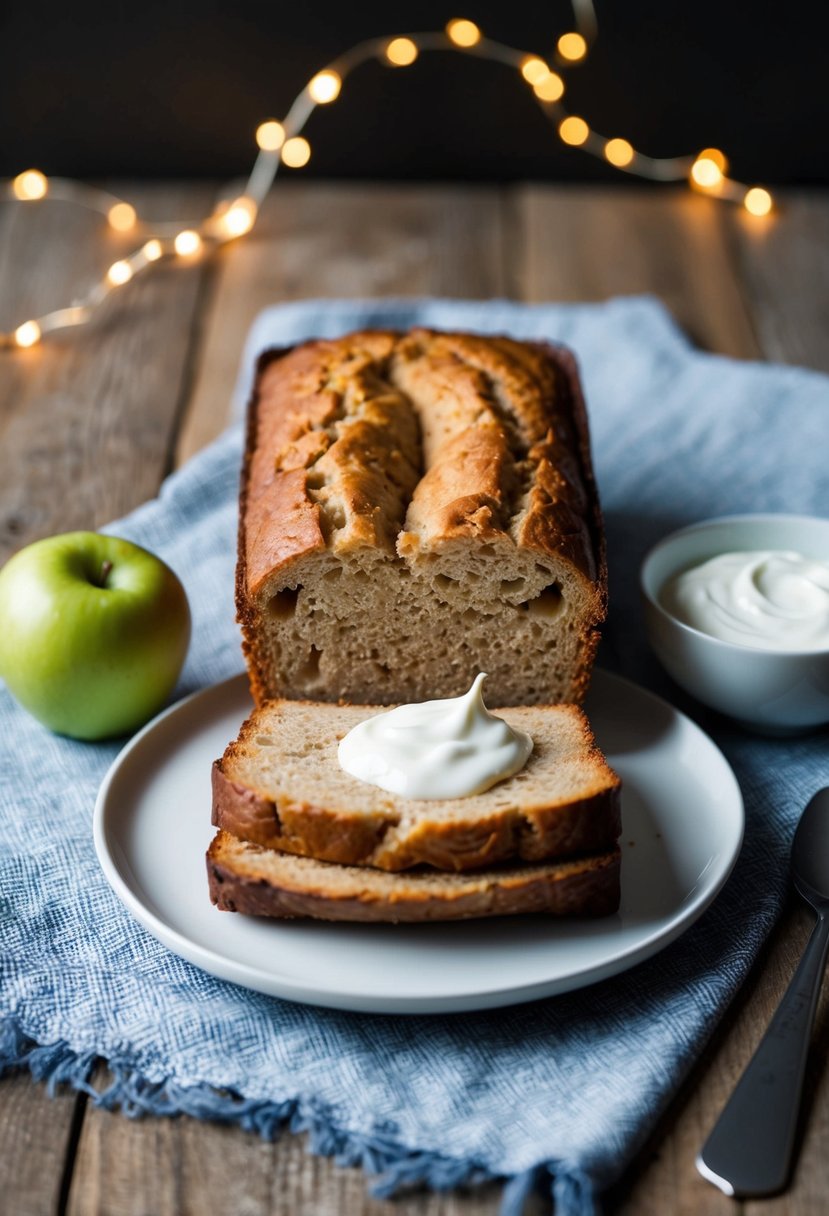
(775, 691)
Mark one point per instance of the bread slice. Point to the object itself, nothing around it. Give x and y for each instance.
(280, 785)
(416, 508)
(246, 878)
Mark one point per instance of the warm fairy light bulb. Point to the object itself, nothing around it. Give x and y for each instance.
(463, 33)
(572, 46)
(718, 157)
(187, 243)
(296, 152)
(122, 217)
(757, 201)
(706, 173)
(533, 69)
(27, 334)
(401, 52)
(270, 135)
(28, 186)
(549, 87)
(619, 152)
(119, 273)
(152, 250)
(239, 217)
(325, 87)
(573, 130)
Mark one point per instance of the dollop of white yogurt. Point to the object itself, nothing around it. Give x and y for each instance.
(450, 748)
(771, 599)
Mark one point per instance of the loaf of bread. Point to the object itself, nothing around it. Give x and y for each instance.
(417, 508)
(246, 878)
(279, 785)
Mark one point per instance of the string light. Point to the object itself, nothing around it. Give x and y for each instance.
(30, 186)
(187, 243)
(325, 87)
(463, 33)
(282, 143)
(534, 69)
(122, 217)
(619, 152)
(706, 173)
(296, 152)
(573, 130)
(549, 88)
(401, 52)
(270, 135)
(572, 46)
(119, 273)
(27, 334)
(757, 201)
(716, 156)
(239, 217)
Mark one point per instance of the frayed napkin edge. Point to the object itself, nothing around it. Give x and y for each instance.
(397, 1167)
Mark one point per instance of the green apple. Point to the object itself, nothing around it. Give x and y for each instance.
(93, 633)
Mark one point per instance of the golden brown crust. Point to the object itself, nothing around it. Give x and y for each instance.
(416, 441)
(566, 360)
(501, 425)
(241, 879)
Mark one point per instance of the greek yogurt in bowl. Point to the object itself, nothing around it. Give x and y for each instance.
(737, 611)
(774, 599)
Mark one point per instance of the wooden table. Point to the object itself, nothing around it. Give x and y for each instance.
(92, 422)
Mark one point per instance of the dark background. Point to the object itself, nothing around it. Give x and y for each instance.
(177, 89)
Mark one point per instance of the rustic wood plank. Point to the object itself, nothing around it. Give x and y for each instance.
(784, 259)
(695, 255)
(688, 252)
(763, 259)
(583, 243)
(319, 239)
(312, 240)
(85, 430)
(86, 418)
(183, 1167)
(36, 1137)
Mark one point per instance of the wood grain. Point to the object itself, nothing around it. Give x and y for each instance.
(312, 241)
(783, 261)
(86, 423)
(339, 240)
(88, 427)
(581, 243)
(184, 1167)
(36, 1144)
(87, 419)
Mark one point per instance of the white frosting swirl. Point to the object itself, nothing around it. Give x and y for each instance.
(438, 749)
(771, 600)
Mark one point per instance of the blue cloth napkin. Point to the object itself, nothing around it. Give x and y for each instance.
(561, 1092)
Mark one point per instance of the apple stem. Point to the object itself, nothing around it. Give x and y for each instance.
(106, 567)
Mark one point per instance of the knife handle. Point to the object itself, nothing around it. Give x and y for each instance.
(749, 1151)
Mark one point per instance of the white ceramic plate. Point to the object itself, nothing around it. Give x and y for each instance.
(682, 817)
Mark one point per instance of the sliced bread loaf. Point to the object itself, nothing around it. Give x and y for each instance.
(417, 508)
(246, 878)
(280, 785)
